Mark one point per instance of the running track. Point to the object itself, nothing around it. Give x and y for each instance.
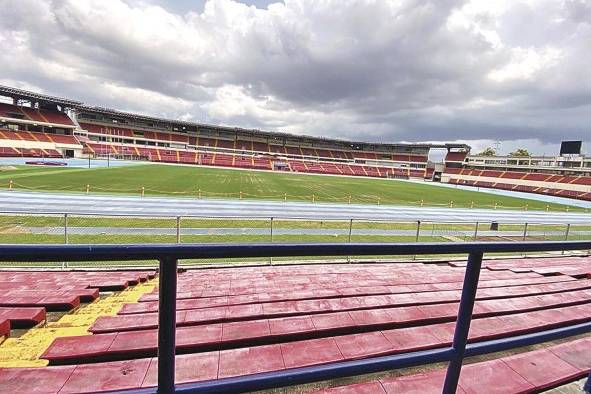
(35, 202)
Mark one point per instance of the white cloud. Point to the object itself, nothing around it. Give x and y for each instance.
(384, 70)
(525, 64)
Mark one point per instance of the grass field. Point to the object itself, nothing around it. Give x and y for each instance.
(223, 183)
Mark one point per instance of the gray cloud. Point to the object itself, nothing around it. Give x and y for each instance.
(409, 70)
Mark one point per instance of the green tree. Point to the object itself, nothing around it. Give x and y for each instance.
(520, 153)
(488, 152)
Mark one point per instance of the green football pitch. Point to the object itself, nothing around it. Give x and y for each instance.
(194, 182)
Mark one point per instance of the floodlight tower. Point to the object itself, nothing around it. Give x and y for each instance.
(497, 146)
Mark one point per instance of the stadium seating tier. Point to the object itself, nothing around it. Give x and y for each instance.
(553, 185)
(240, 321)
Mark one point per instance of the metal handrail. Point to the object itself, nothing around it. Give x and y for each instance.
(131, 252)
(169, 254)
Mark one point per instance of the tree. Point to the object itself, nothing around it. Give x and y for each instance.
(488, 152)
(520, 153)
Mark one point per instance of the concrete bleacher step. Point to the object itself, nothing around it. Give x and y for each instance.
(4, 328)
(55, 302)
(346, 291)
(75, 282)
(527, 372)
(85, 295)
(573, 266)
(252, 320)
(220, 284)
(22, 317)
(535, 261)
(133, 344)
(61, 290)
(364, 312)
(399, 296)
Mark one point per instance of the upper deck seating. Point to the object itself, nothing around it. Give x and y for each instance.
(35, 115)
(225, 144)
(323, 153)
(56, 117)
(278, 149)
(259, 146)
(292, 150)
(207, 142)
(308, 152)
(455, 156)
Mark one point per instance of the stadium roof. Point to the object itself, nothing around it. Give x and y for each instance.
(25, 94)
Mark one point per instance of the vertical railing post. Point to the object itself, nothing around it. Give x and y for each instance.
(587, 387)
(166, 324)
(178, 229)
(66, 240)
(66, 228)
(271, 225)
(463, 323)
(476, 232)
(525, 237)
(417, 236)
(350, 229)
(350, 233)
(566, 234)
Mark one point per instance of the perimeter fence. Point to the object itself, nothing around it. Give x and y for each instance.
(52, 228)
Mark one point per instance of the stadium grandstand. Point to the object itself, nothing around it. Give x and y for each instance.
(35, 125)
(123, 135)
(563, 176)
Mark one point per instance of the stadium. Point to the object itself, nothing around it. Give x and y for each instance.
(140, 252)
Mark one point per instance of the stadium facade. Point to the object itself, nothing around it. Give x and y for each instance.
(36, 125)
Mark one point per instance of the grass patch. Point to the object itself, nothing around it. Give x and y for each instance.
(168, 180)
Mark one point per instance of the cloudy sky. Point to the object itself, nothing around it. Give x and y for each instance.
(480, 71)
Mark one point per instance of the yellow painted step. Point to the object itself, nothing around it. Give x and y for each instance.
(26, 350)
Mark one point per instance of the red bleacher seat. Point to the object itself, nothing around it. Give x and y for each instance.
(531, 371)
(202, 141)
(323, 153)
(504, 181)
(292, 150)
(245, 320)
(512, 175)
(455, 156)
(583, 180)
(536, 177)
(223, 160)
(63, 139)
(179, 138)
(259, 146)
(225, 144)
(56, 117)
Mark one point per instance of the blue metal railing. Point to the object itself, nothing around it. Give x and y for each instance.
(168, 256)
